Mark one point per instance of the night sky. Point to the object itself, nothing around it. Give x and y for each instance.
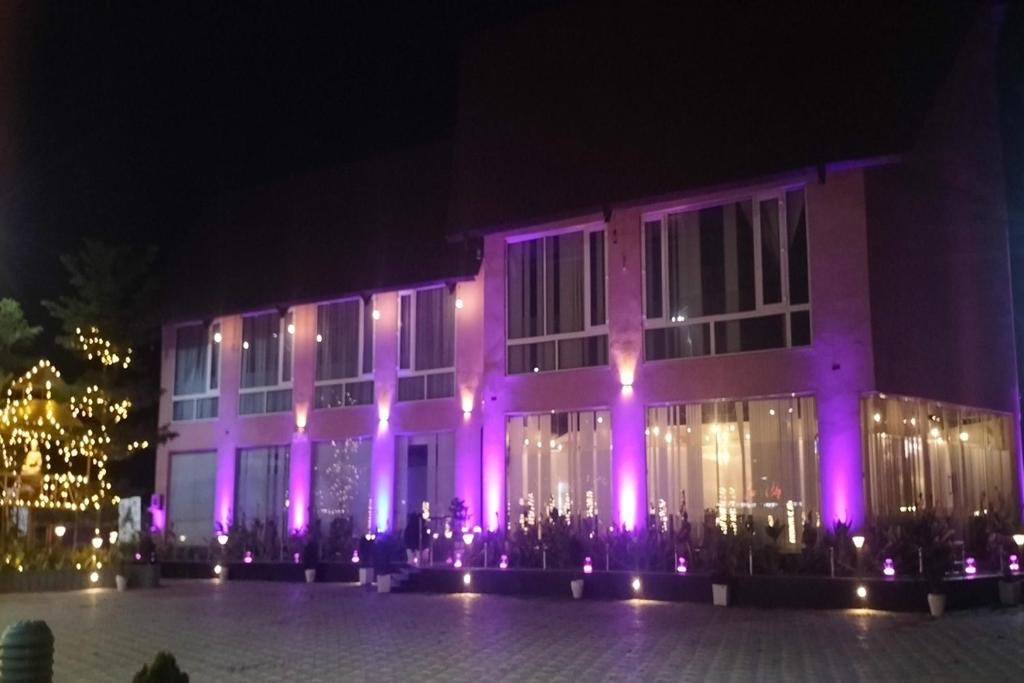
(127, 119)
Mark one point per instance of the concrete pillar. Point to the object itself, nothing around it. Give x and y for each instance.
(385, 377)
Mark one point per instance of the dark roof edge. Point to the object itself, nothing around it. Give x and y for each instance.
(822, 170)
(285, 304)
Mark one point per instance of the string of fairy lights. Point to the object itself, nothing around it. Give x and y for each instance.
(54, 442)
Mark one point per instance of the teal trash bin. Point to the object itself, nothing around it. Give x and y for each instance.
(26, 652)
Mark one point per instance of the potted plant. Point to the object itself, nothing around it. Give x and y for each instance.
(1009, 584)
(723, 564)
(311, 558)
(937, 554)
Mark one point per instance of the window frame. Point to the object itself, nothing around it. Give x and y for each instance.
(411, 371)
(210, 392)
(761, 309)
(284, 320)
(362, 376)
(589, 329)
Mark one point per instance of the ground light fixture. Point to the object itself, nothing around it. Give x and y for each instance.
(355, 557)
(588, 566)
(1014, 563)
(466, 579)
(887, 567)
(60, 530)
(862, 592)
(248, 557)
(681, 566)
(970, 566)
(636, 584)
(503, 562)
(217, 569)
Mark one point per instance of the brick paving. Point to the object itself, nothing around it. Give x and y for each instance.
(253, 631)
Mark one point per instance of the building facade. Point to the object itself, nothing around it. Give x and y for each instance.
(829, 342)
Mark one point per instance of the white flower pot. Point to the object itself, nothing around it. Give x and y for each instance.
(577, 588)
(121, 581)
(384, 583)
(365, 576)
(937, 604)
(1009, 592)
(720, 594)
(310, 575)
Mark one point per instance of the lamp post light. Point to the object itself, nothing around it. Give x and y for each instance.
(60, 530)
(858, 544)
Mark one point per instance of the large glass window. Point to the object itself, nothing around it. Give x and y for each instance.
(560, 461)
(424, 475)
(196, 372)
(344, 353)
(745, 460)
(926, 455)
(426, 344)
(261, 487)
(341, 482)
(190, 498)
(266, 381)
(556, 302)
(727, 278)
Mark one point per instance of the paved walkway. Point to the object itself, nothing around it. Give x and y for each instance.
(256, 631)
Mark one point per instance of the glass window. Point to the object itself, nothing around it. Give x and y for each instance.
(556, 288)
(196, 370)
(713, 278)
(424, 475)
(560, 461)
(921, 455)
(754, 460)
(266, 362)
(344, 353)
(261, 487)
(426, 340)
(190, 497)
(341, 482)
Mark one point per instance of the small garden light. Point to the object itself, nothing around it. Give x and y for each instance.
(858, 541)
(94, 577)
(182, 538)
(60, 530)
(112, 537)
(887, 567)
(467, 537)
(217, 569)
(458, 561)
(355, 557)
(466, 579)
(588, 567)
(970, 566)
(222, 539)
(636, 584)
(503, 562)
(1018, 538)
(97, 542)
(248, 557)
(1014, 563)
(681, 566)
(862, 592)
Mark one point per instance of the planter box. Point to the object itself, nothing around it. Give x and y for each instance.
(720, 594)
(1009, 592)
(52, 580)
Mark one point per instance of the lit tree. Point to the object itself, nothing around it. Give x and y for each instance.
(55, 438)
(15, 336)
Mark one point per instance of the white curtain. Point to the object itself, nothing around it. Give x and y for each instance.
(563, 296)
(261, 491)
(435, 328)
(525, 286)
(260, 359)
(190, 348)
(337, 352)
(190, 498)
(341, 482)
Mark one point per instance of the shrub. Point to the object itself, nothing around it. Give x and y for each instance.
(163, 670)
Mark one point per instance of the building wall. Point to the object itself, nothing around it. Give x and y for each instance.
(938, 236)
(838, 368)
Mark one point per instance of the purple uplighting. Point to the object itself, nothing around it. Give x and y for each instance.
(588, 567)
(503, 562)
(1014, 563)
(970, 566)
(355, 557)
(681, 566)
(888, 569)
(248, 557)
